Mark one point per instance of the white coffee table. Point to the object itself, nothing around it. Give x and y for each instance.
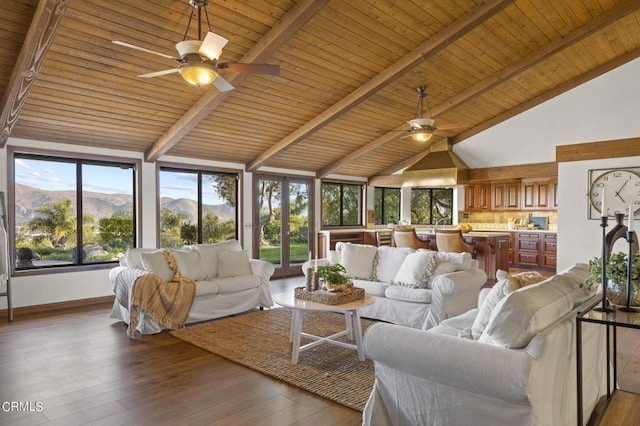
(353, 326)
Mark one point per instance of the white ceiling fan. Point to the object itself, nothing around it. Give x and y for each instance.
(198, 59)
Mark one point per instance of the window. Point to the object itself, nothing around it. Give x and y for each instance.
(71, 211)
(431, 205)
(386, 205)
(341, 204)
(197, 206)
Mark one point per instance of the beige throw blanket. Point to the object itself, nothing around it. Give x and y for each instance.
(167, 303)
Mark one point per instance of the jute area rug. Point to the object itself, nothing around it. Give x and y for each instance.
(260, 341)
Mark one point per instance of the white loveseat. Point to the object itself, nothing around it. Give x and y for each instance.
(521, 370)
(413, 288)
(227, 281)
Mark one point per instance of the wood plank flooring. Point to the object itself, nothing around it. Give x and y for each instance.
(83, 369)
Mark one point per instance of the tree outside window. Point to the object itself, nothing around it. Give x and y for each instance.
(197, 206)
(386, 205)
(72, 211)
(431, 205)
(341, 204)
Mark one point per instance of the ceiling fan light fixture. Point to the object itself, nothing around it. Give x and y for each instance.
(421, 135)
(198, 74)
(212, 46)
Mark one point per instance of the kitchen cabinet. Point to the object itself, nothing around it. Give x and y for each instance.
(536, 194)
(492, 252)
(477, 197)
(536, 250)
(505, 195)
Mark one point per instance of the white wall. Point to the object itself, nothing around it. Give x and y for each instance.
(579, 238)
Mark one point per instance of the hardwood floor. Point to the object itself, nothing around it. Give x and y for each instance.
(79, 367)
(76, 366)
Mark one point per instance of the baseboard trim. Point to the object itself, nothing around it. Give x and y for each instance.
(50, 307)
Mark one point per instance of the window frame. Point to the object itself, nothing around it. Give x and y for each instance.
(361, 206)
(200, 169)
(431, 206)
(55, 155)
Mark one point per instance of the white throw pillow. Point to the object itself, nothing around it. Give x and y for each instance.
(155, 262)
(461, 260)
(524, 313)
(189, 264)
(233, 263)
(358, 260)
(389, 261)
(415, 269)
(441, 268)
(133, 259)
(500, 290)
(209, 255)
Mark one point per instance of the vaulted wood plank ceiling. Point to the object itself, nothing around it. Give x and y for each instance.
(349, 72)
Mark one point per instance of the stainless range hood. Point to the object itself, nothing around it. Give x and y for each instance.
(440, 167)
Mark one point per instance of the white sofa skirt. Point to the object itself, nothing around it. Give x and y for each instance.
(205, 307)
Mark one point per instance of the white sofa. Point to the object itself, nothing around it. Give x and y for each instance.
(413, 288)
(227, 281)
(520, 370)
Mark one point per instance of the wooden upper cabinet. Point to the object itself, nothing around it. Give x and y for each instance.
(536, 194)
(477, 196)
(505, 195)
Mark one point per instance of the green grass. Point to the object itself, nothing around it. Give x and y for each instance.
(299, 253)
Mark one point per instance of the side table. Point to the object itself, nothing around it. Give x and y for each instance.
(611, 320)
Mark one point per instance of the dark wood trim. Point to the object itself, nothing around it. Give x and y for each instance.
(51, 307)
(598, 150)
(523, 171)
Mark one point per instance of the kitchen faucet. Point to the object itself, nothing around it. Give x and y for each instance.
(442, 219)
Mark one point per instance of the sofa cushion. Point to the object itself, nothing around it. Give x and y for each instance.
(525, 312)
(209, 255)
(204, 287)
(132, 258)
(189, 264)
(155, 262)
(233, 263)
(373, 288)
(358, 260)
(462, 261)
(416, 295)
(235, 284)
(415, 269)
(389, 261)
(505, 285)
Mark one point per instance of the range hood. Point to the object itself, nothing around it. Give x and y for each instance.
(440, 167)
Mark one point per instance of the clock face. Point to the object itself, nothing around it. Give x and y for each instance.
(618, 188)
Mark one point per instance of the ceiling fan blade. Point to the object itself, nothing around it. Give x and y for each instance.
(133, 46)
(222, 84)
(159, 73)
(212, 45)
(250, 68)
(451, 126)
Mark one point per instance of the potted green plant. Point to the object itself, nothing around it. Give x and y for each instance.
(616, 270)
(333, 276)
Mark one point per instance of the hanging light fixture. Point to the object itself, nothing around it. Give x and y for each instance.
(197, 55)
(421, 128)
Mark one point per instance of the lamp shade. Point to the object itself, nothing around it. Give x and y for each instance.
(198, 74)
(421, 136)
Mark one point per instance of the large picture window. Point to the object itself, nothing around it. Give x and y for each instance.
(341, 204)
(431, 206)
(386, 205)
(71, 211)
(197, 206)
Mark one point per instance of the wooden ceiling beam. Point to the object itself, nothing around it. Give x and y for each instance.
(432, 46)
(44, 25)
(263, 49)
(608, 17)
(598, 150)
(549, 94)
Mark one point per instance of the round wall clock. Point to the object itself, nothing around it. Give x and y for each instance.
(618, 189)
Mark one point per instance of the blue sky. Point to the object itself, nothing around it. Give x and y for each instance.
(57, 176)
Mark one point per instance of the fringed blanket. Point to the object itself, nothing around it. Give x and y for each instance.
(167, 303)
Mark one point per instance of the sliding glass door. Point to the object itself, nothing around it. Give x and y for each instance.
(281, 222)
